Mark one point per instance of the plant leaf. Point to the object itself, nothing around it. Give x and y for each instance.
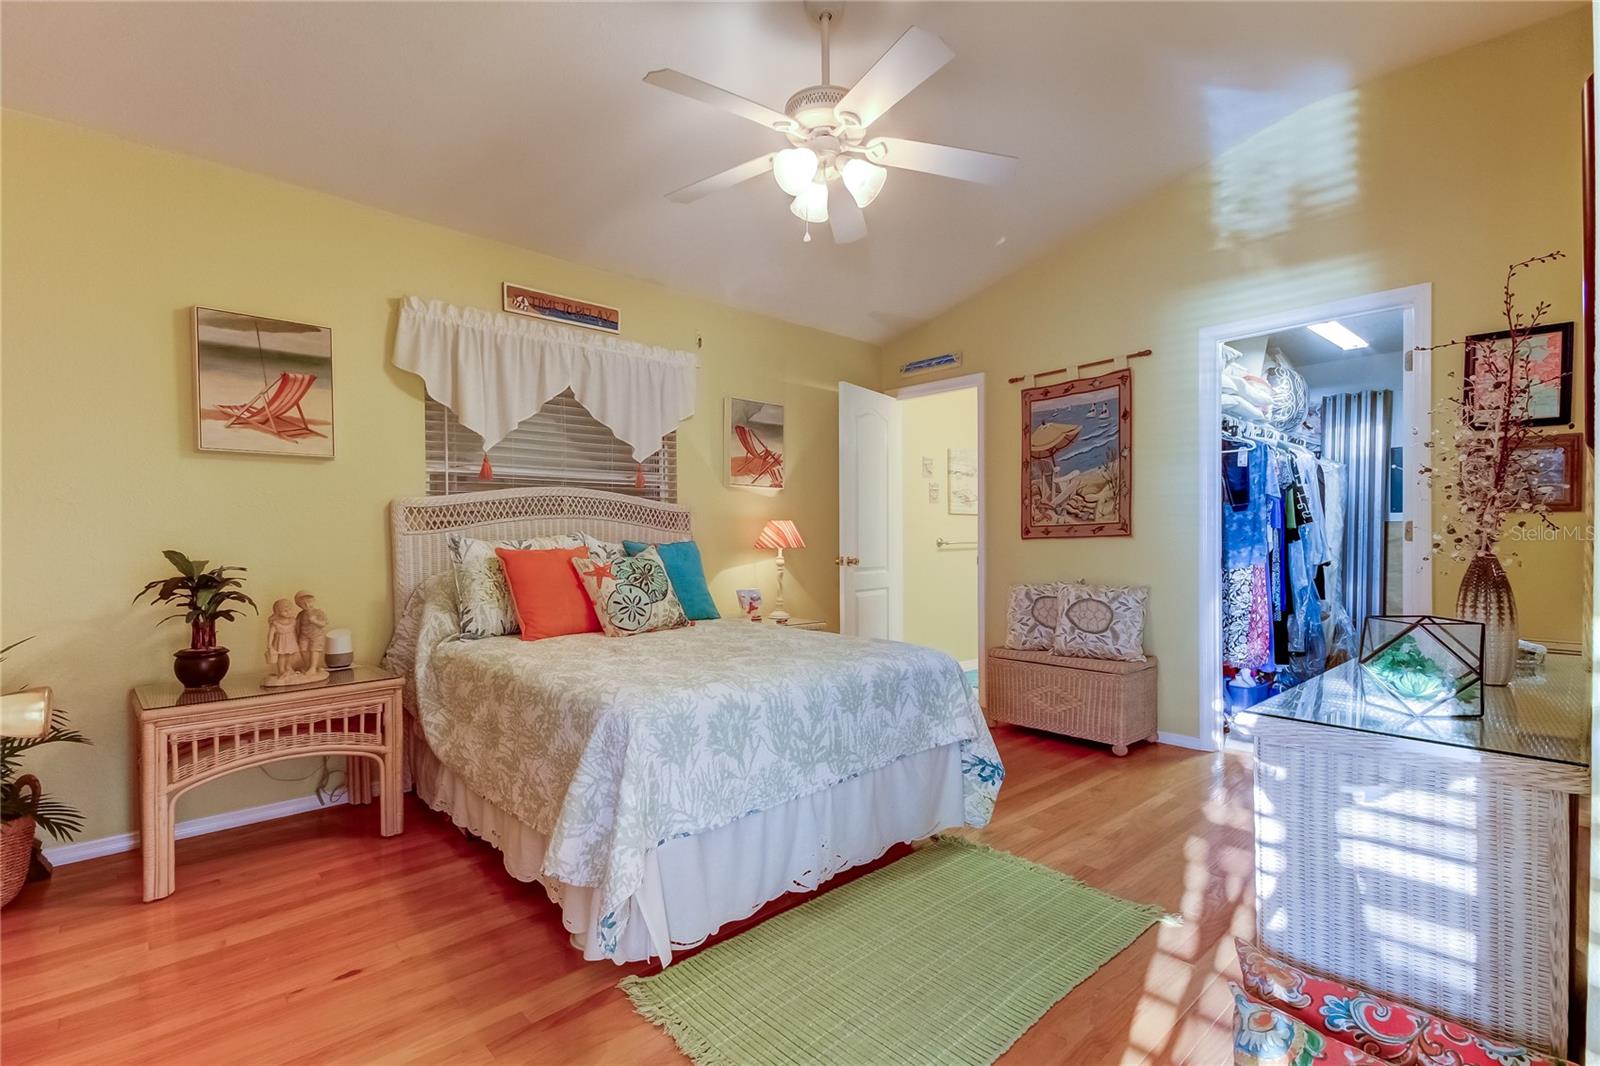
(181, 562)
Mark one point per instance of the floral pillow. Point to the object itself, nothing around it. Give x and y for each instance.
(1265, 1036)
(1383, 1028)
(1101, 621)
(1031, 616)
(632, 594)
(483, 598)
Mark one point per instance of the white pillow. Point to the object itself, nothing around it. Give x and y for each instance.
(1102, 621)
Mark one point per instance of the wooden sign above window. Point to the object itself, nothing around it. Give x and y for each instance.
(564, 309)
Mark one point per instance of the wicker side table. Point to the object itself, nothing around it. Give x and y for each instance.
(1102, 700)
(189, 737)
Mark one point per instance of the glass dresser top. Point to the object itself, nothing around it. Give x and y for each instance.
(170, 693)
(1543, 717)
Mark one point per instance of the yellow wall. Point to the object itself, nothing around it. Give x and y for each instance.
(1442, 173)
(941, 585)
(107, 245)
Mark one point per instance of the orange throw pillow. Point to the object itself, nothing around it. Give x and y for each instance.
(549, 595)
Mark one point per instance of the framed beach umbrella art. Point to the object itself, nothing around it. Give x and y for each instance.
(1077, 458)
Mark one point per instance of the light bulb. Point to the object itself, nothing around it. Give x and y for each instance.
(812, 203)
(863, 180)
(794, 168)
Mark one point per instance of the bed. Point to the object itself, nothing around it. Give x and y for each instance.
(662, 785)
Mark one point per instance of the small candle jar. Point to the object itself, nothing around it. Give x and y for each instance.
(340, 649)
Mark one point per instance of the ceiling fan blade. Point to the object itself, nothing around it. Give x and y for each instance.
(680, 83)
(963, 164)
(761, 164)
(908, 63)
(846, 220)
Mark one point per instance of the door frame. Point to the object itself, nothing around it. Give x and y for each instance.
(1416, 303)
(956, 384)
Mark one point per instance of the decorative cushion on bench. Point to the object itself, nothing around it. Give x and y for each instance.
(1031, 616)
(1383, 1028)
(1266, 1036)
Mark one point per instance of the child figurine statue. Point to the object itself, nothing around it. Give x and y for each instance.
(296, 643)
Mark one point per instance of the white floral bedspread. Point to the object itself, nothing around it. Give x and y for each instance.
(613, 745)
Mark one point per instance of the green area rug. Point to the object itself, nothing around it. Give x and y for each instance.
(946, 956)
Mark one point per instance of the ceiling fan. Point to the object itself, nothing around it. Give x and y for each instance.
(833, 168)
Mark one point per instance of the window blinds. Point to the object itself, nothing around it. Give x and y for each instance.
(560, 445)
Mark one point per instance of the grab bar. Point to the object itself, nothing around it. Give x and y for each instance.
(942, 543)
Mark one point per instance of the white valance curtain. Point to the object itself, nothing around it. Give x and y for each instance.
(494, 369)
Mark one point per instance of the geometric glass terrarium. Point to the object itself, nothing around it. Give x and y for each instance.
(1425, 665)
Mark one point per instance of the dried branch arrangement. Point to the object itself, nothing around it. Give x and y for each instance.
(1484, 470)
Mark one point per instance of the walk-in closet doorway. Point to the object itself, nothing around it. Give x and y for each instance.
(1222, 351)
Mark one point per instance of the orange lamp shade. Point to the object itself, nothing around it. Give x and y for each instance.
(780, 533)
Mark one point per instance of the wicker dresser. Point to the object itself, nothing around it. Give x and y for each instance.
(1429, 858)
(1103, 700)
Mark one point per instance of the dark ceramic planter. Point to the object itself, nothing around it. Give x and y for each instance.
(204, 668)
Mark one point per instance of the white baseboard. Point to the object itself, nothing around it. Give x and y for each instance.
(969, 664)
(1183, 740)
(62, 854)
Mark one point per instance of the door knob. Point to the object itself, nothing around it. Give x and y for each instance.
(846, 560)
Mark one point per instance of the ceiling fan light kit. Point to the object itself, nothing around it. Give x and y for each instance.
(826, 126)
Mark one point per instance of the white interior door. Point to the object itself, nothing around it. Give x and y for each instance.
(870, 566)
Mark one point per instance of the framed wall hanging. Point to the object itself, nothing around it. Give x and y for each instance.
(567, 310)
(1546, 356)
(1077, 458)
(262, 385)
(963, 472)
(754, 444)
(1556, 465)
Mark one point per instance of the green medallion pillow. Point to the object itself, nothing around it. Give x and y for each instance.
(483, 598)
(687, 574)
(631, 595)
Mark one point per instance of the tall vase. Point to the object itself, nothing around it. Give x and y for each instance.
(1485, 596)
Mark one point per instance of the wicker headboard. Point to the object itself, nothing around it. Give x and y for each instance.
(421, 524)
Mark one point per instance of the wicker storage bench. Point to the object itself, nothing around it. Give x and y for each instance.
(1092, 699)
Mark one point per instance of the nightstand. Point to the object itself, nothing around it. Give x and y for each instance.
(800, 623)
(190, 736)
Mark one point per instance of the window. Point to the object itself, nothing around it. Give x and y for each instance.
(561, 445)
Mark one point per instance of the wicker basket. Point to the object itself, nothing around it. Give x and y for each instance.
(16, 846)
(1102, 700)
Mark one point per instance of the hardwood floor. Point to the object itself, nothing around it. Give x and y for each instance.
(313, 940)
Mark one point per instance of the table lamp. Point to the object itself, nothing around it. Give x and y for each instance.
(780, 533)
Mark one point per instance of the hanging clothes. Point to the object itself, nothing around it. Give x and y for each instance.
(1276, 551)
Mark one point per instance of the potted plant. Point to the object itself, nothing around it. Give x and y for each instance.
(202, 597)
(1489, 477)
(25, 807)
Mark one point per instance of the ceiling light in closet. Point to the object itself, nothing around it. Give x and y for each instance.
(1337, 333)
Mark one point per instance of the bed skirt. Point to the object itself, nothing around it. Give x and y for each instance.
(694, 885)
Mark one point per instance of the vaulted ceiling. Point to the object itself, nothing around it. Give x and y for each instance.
(528, 122)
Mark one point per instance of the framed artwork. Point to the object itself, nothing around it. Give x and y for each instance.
(568, 310)
(1556, 462)
(754, 444)
(963, 468)
(1546, 356)
(749, 603)
(262, 385)
(1077, 458)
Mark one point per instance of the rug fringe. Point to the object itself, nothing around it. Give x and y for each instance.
(697, 1048)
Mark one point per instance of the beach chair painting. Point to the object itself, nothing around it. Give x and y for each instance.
(755, 444)
(263, 385)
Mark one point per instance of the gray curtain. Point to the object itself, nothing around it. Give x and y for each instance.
(1355, 434)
